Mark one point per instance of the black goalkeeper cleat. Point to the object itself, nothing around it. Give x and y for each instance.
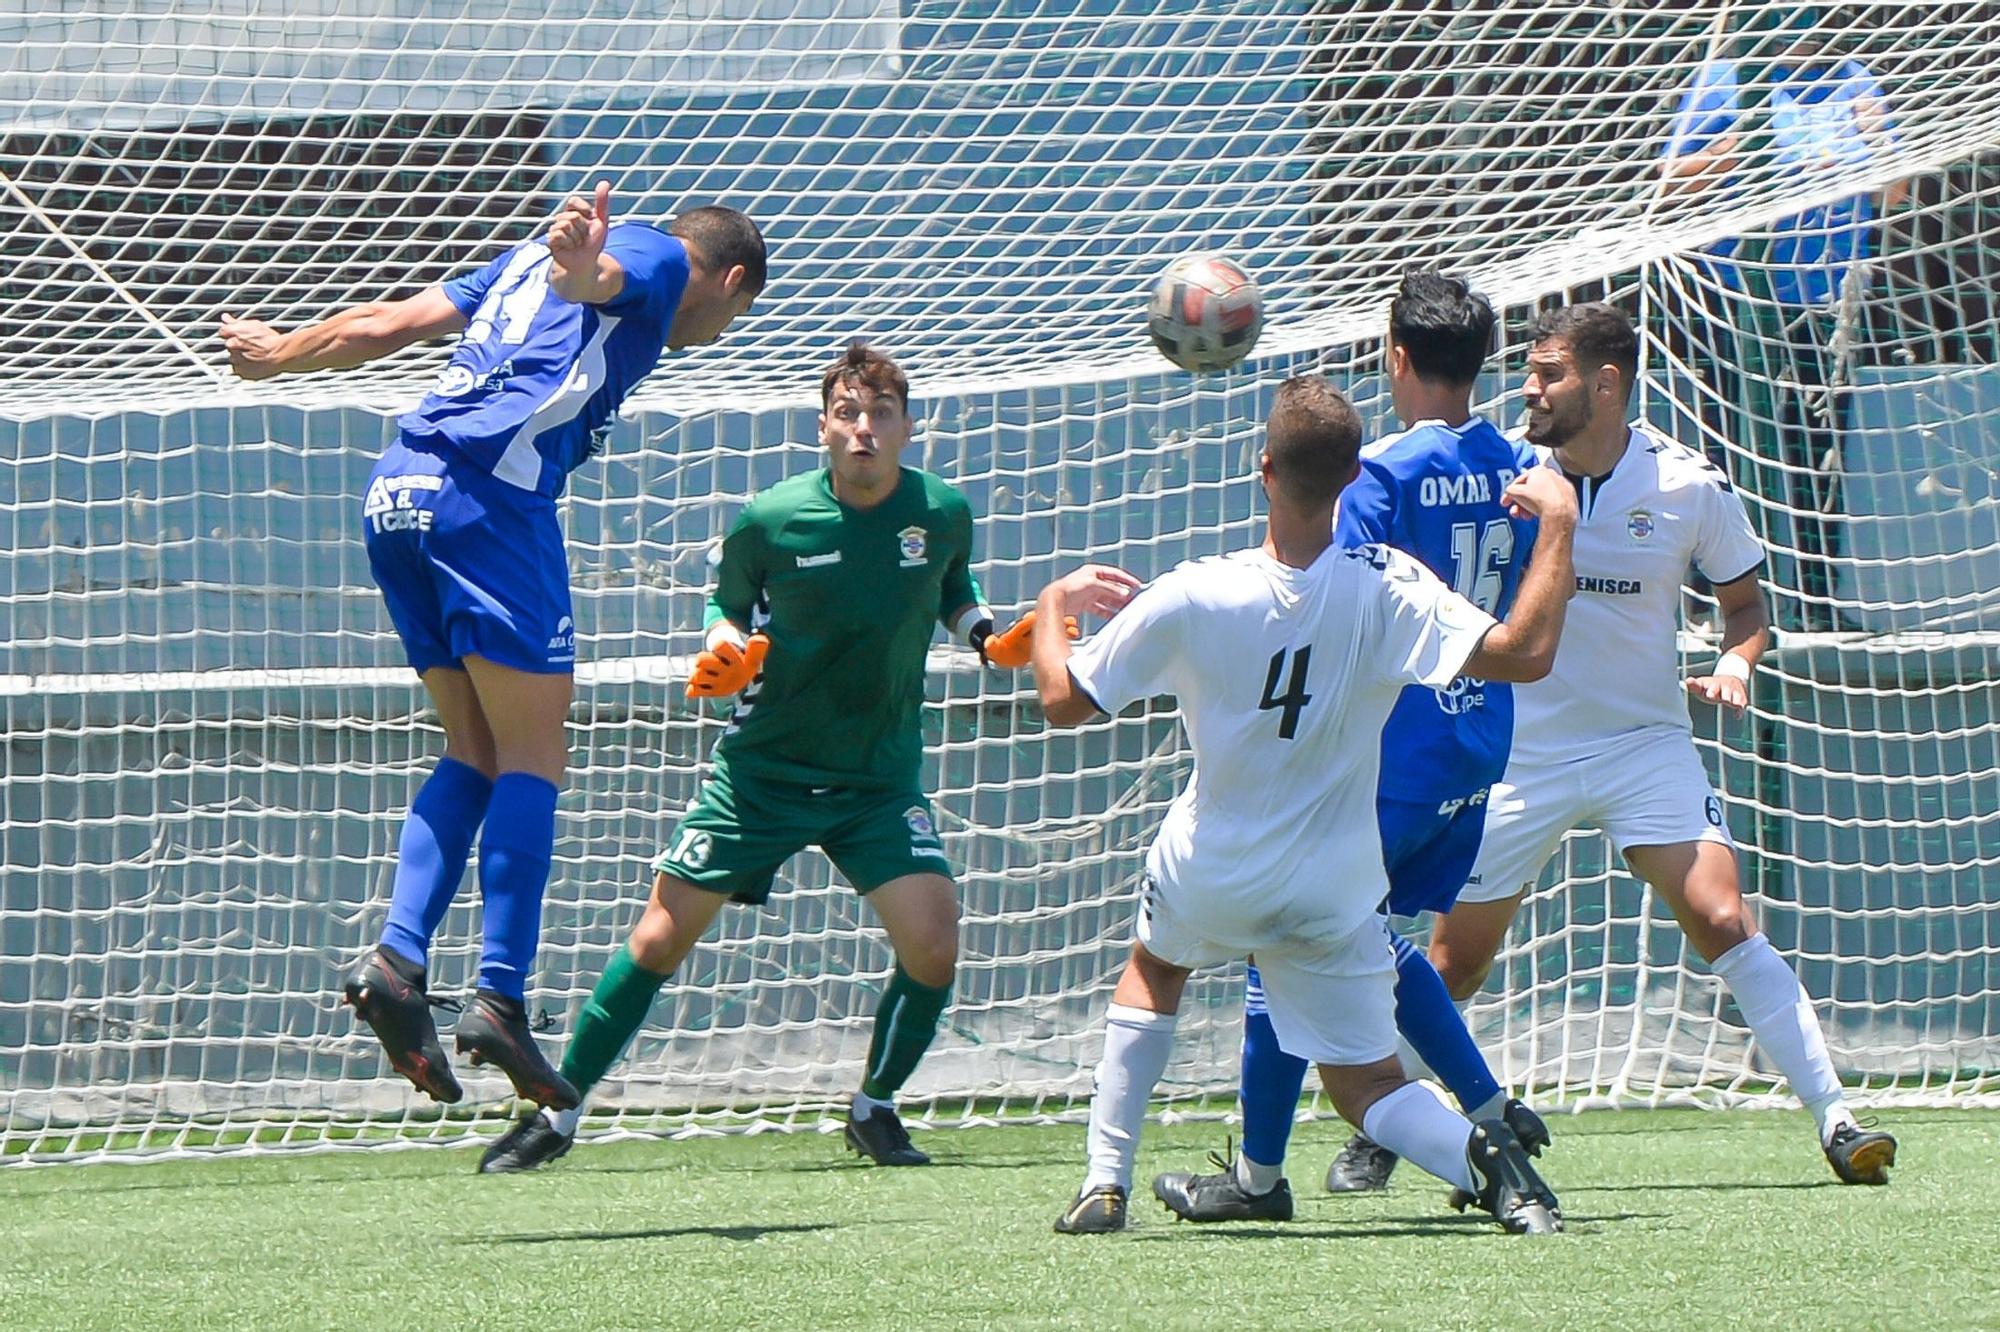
(1861, 1156)
(531, 1143)
(494, 1030)
(388, 994)
(1509, 1188)
(1098, 1212)
(1222, 1197)
(1363, 1166)
(882, 1139)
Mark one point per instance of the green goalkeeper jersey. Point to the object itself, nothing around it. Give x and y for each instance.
(850, 599)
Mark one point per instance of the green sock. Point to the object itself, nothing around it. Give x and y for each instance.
(904, 1025)
(615, 1009)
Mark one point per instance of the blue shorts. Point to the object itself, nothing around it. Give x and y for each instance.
(469, 566)
(1429, 850)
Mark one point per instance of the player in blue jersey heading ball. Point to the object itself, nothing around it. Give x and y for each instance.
(464, 541)
(1432, 491)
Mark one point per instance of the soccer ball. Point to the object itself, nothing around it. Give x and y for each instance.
(1206, 312)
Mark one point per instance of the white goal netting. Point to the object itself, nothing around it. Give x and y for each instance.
(210, 738)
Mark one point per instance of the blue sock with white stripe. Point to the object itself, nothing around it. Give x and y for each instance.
(431, 854)
(1271, 1081)
(1435, 1029)
(514, 855)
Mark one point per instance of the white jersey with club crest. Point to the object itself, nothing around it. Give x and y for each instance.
(1662, 510)
(1284, 678)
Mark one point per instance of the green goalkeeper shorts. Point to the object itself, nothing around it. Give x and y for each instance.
(740, 829)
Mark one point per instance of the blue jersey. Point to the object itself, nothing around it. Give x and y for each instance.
(1434, 492)
(1817, 117)
(535, 378)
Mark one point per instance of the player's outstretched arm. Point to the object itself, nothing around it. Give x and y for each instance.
(1096, 589)
(1746, 632)
(1522, 648)
(352, 337)
(580, 270)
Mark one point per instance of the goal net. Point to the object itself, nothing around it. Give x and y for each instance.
(211, 738)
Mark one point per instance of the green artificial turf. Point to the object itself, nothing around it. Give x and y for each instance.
(1677, 1219)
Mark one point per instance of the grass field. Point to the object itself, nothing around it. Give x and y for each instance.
(1677, 1219)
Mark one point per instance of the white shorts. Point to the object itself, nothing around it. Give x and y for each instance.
(1653, 792)
(1332, 1000)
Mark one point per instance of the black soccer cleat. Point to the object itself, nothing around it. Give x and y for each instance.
(388, 994)
(1222, 1197)
(1508, 1186)
(1861, 1156)
(1363, 1166)
(1527, 1125)
(1100, 1211)
(532, 1142)
(494, 1030)
(882, 1138)
(1528, 1128)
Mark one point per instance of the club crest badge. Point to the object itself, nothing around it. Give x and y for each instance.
(922, 831)
(912, 541)
(1640, 524)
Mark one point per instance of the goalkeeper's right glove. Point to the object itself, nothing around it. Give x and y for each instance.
(727, 669)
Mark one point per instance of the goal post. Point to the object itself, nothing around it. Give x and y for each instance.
(211, 738)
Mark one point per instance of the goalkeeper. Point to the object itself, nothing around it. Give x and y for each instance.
(822, 615)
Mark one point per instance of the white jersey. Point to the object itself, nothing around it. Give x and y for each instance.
(1284, 677)
(1663, 510)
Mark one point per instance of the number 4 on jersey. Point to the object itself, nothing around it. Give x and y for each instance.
(1295, 696)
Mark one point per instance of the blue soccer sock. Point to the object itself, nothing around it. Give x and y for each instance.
(1271, 1082)
(430, 857)
(514, 855)
(1435, 1029)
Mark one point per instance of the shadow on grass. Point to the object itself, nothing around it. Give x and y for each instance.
(1408, 1228)
(737, 1233)
(1706, 1186)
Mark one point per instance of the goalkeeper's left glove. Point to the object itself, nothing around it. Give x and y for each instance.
(1013, 648)
(727, 669)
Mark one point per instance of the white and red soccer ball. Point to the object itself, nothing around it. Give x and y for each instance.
(1206, 312)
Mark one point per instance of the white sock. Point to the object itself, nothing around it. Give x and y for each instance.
(1418, 1127)
(1413, 1063)
(1254, 1177)
(1781, 1017)
(1489, 1108)
(1137, 1044)
(564, 1121)
(865, 1105)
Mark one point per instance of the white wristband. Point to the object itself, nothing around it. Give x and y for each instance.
(1732, 666)
(724, 631)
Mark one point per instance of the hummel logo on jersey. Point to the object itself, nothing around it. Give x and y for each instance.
(390, 508)
(912, 542)
(815, 561)
(562, 644)
(1611, 587)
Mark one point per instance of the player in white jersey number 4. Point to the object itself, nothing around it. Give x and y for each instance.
(1286, 660)
(1606, 740)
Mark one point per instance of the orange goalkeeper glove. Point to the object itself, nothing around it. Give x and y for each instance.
(1013, 649)
(727, 669)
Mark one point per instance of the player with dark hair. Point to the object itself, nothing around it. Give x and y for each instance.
(1606, 739)
(1434, 492)
(1273, 847)
(464, 541)
(830, 586)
